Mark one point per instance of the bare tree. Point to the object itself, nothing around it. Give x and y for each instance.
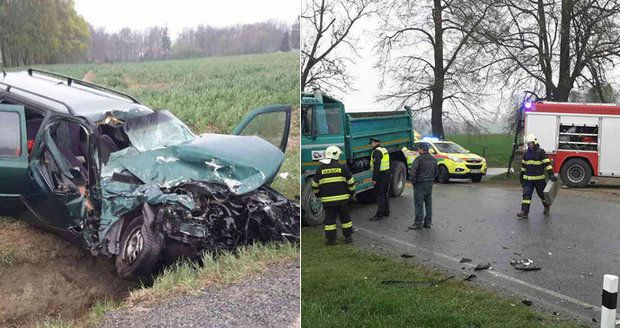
(555, 45)
(327, 25)
(428, 60)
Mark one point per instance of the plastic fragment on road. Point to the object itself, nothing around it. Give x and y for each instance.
(527, 302)
(465, 260)
(469, 277)
(482, 266)
(406, 256)
(524, 265)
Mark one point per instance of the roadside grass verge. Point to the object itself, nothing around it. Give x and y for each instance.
(341, 288)
(495, 148)
(186, 278)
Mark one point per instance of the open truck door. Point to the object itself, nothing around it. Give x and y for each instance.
(13, 157)
(272, 123)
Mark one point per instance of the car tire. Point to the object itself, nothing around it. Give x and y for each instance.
(398, 178)
(443, 176)
(576, 173)
(476, 178)
(313, 212)
(140, 250)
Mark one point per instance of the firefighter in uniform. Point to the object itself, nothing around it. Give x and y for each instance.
(334, 185)
(380, 166)
(535, 166)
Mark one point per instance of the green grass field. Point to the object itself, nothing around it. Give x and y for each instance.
(209, 94)
(341, 288)
(495, 148)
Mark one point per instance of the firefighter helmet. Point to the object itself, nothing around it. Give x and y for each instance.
(531, 138)
(333, 152)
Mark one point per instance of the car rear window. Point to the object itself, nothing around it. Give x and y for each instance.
(10, 136)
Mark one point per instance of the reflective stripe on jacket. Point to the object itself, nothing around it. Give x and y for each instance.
(535, 165)
(333, 183)
(385, 159)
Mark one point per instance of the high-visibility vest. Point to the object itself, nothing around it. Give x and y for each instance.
(409, 156)
(385, 160)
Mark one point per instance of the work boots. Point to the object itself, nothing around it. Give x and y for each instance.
(348, 239)
(546, 210)
(522, 215)
(330, 242)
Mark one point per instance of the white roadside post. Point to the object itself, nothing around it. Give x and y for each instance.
(610, 301)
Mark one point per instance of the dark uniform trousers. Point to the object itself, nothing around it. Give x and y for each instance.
(528, 191)
(382, 188)
(331, 214)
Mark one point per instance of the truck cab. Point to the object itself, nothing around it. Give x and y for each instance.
(324, 122)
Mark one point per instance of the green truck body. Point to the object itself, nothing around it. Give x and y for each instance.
(325, 123)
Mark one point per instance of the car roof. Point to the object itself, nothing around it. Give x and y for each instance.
(56, 94)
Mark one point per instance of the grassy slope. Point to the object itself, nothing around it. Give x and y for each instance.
(340, 288)
(498, 146)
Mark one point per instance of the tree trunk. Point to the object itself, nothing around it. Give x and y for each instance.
(564, 82)
(439, 73)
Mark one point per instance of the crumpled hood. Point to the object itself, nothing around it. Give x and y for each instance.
(243, 163)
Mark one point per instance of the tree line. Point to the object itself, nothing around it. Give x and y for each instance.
(446, 57)
(51, 31)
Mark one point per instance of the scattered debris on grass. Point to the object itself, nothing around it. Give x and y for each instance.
(470, 277)
(406, 256)
(414, 283)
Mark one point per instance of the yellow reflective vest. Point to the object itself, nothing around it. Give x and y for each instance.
(385, 159)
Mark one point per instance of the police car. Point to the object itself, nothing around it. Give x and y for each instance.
(454, 161)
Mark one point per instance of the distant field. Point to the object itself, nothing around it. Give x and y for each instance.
(495, 147)
(209, 94)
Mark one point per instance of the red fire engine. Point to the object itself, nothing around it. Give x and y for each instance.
(583, 140)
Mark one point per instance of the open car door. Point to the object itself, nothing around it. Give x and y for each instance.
(13, 156)
(63, 169)
(272, 123)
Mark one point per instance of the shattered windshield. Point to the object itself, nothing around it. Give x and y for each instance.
(157, 130)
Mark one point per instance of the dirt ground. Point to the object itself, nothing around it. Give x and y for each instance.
(43, 277)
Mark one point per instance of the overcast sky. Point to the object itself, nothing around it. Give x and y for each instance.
(178, 14)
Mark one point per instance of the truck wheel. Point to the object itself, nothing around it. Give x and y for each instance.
(442, 174)
(314, 214)
(576, 172)
(140, 250)
(476, 178)
(399, 178)
(366, 197)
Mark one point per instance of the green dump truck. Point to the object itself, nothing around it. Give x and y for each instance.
(324, 122)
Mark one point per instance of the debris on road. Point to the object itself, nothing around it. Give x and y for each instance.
(527, 302)
(406, 256)
(524, 265)
(482, 266)
(465, 260)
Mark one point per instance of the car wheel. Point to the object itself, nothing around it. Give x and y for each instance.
(442, 175)
(399, 178)
(576, 172)
(140, 250)
(476, 178)
(314, 214)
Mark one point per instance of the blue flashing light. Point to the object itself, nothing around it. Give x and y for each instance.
(430, 139)
(528, 105)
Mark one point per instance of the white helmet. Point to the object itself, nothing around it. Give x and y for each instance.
(531, 138)
(333, 152)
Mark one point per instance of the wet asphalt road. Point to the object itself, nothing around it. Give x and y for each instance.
(575, 245)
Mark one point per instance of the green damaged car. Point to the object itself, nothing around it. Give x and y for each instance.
(108, 173)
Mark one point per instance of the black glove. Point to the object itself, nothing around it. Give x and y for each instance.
(521, 178)
(553, 178)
